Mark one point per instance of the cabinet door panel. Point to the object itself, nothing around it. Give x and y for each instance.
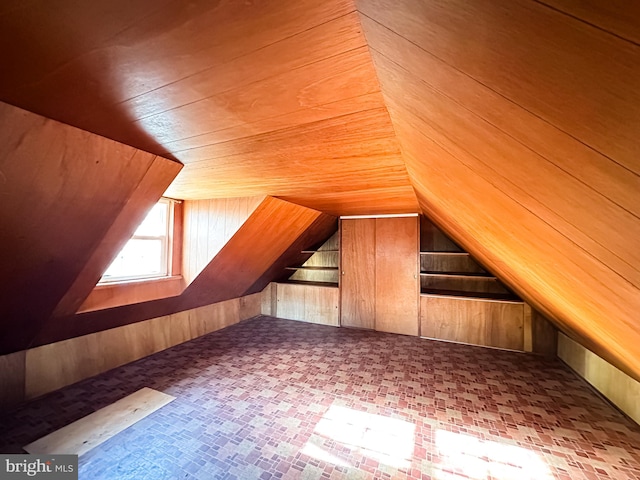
(397, 283)
(357, 285)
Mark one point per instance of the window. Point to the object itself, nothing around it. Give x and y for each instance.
(148, 253)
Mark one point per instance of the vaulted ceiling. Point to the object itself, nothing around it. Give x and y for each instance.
(513, 124)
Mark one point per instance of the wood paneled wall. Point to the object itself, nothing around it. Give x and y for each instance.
(307, 303)
(70, 199)
(30, 373)
(272, 237)
(518, 125)
(474, 321)
(208, 226)
(614, 384)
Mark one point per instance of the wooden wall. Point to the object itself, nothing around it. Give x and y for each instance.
(307, 303)
(69, 200)
(518, 125)
(208, 226)
(474, 321)
(614, 384)
(271, 238)
(31, 373)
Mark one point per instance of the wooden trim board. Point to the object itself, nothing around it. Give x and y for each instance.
(82, 435)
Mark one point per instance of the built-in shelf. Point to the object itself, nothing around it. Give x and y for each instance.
(311, 268)
(315, 284)
(465, 254)
(509, 297)
(458, 274)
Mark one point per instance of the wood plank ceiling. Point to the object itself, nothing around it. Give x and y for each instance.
(255, 98)
(515, 121)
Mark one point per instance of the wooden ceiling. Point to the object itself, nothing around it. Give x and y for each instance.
(513, 123)
(254, 98)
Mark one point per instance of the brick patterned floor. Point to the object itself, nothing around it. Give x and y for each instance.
(278, 399)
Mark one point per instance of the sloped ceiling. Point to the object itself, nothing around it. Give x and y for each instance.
(513, 124)
(519, 124)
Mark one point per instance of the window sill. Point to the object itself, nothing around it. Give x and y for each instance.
(128, 292)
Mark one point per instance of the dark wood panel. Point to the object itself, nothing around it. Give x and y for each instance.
(619, 17)
(358, 281)
(396, 271)
(62, 191)
(161, 172)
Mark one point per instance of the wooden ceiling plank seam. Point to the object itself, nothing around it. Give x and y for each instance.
(356, 104)
(460, 83)
(490, 180)
(339, 77)
(606, 215)
(238, 76)
(613, 17)
(599, 86)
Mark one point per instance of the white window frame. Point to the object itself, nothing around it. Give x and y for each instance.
(165, 250)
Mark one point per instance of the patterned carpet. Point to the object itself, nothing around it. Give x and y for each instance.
(271, 398)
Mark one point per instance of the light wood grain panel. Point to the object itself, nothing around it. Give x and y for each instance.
(76, 209)
(396, 271)
(269, 300)
(308, 303)
(56, 365)
(213, 317)
(12, 378)
(594, 223)
(357, 284)
(209, 224)
(79, 437)
(53, 366)
(290, 300)
(249, 306)
(619, 388)
(322, 305)
(473, 321)
(564, 73)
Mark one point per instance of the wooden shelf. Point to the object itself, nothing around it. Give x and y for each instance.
(312, 268)
(458, 275)
(314, 284)
(319, 251)
(509, 297)
(464, 254)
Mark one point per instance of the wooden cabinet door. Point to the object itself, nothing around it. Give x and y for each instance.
(397, 283)
(357, 282)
